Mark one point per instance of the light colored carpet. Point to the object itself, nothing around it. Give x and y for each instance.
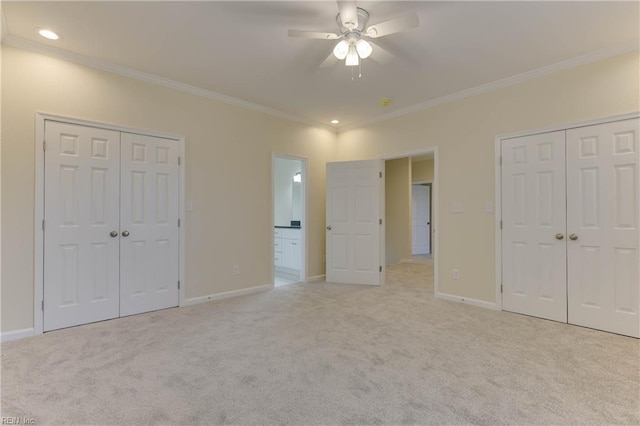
(326, 354)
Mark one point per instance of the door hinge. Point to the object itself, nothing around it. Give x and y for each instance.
(500, 224)
(178, 223)
(380, 221)
(179, 161)
(178, 285)
(42, 305)
(43, 224)
(44, 145)
(380, 173)
(380, 268)
(500, 288)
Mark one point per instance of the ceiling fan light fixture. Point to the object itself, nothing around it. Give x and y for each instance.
(352, 57)
(341, 50)
(364, 48)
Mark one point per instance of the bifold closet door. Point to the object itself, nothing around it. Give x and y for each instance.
(149, 224)
(81, 204)
(602, 200)
(534, 223)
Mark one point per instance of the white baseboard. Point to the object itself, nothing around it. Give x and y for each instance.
(468, 301)
(316, 278)
(226, 295)
(17, 334)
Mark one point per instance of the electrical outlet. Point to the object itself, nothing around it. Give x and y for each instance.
(236, 269)
(456, 274)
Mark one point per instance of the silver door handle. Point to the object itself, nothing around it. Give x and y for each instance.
(573, 237)
(125, 233)
(559, 236)
(328, 228)
(113, 234)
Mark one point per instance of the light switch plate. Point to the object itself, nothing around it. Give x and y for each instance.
(189, 206)
(457, 207)
(488, 207)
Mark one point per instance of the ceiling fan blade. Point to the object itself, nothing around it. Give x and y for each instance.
(348, 13)
(330, 61)
(313, 34)
(380, 55)
(393, 25)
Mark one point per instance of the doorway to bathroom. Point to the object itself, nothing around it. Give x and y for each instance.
(289, 224)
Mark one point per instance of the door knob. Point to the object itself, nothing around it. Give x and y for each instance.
(113, 234)
(573, 237)
(328, 228)
(125, 233)
(558, 236)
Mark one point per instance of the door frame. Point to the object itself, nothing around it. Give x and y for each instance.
(305, 216)
(435, 203)
(497, 149)
(38, 225)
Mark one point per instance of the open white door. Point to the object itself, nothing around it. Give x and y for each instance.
(355, 209)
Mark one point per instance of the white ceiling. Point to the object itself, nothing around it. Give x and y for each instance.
(241, 49)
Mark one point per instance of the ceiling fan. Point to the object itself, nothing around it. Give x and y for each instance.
(353, 46)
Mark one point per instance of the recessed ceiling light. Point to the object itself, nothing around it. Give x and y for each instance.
(335, 122)
(51, 35)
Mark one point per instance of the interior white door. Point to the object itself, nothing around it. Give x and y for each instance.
(421, 221)
(149, 224)
(534, 225)
(602, 200)
(355, 194)
(81, 207)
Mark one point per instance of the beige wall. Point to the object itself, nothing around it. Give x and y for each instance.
(229, 154)
(464, 132)
(398, 210)
(422, 171)
(228, 160)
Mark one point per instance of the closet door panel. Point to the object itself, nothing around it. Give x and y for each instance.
(534, 224)
(81, 264)
(149, 224)
(603, 221)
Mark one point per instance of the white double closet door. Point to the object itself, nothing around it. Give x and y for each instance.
(111, 224)
(570, 239)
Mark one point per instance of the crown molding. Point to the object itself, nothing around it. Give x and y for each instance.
(505, 82)
(22, 43)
